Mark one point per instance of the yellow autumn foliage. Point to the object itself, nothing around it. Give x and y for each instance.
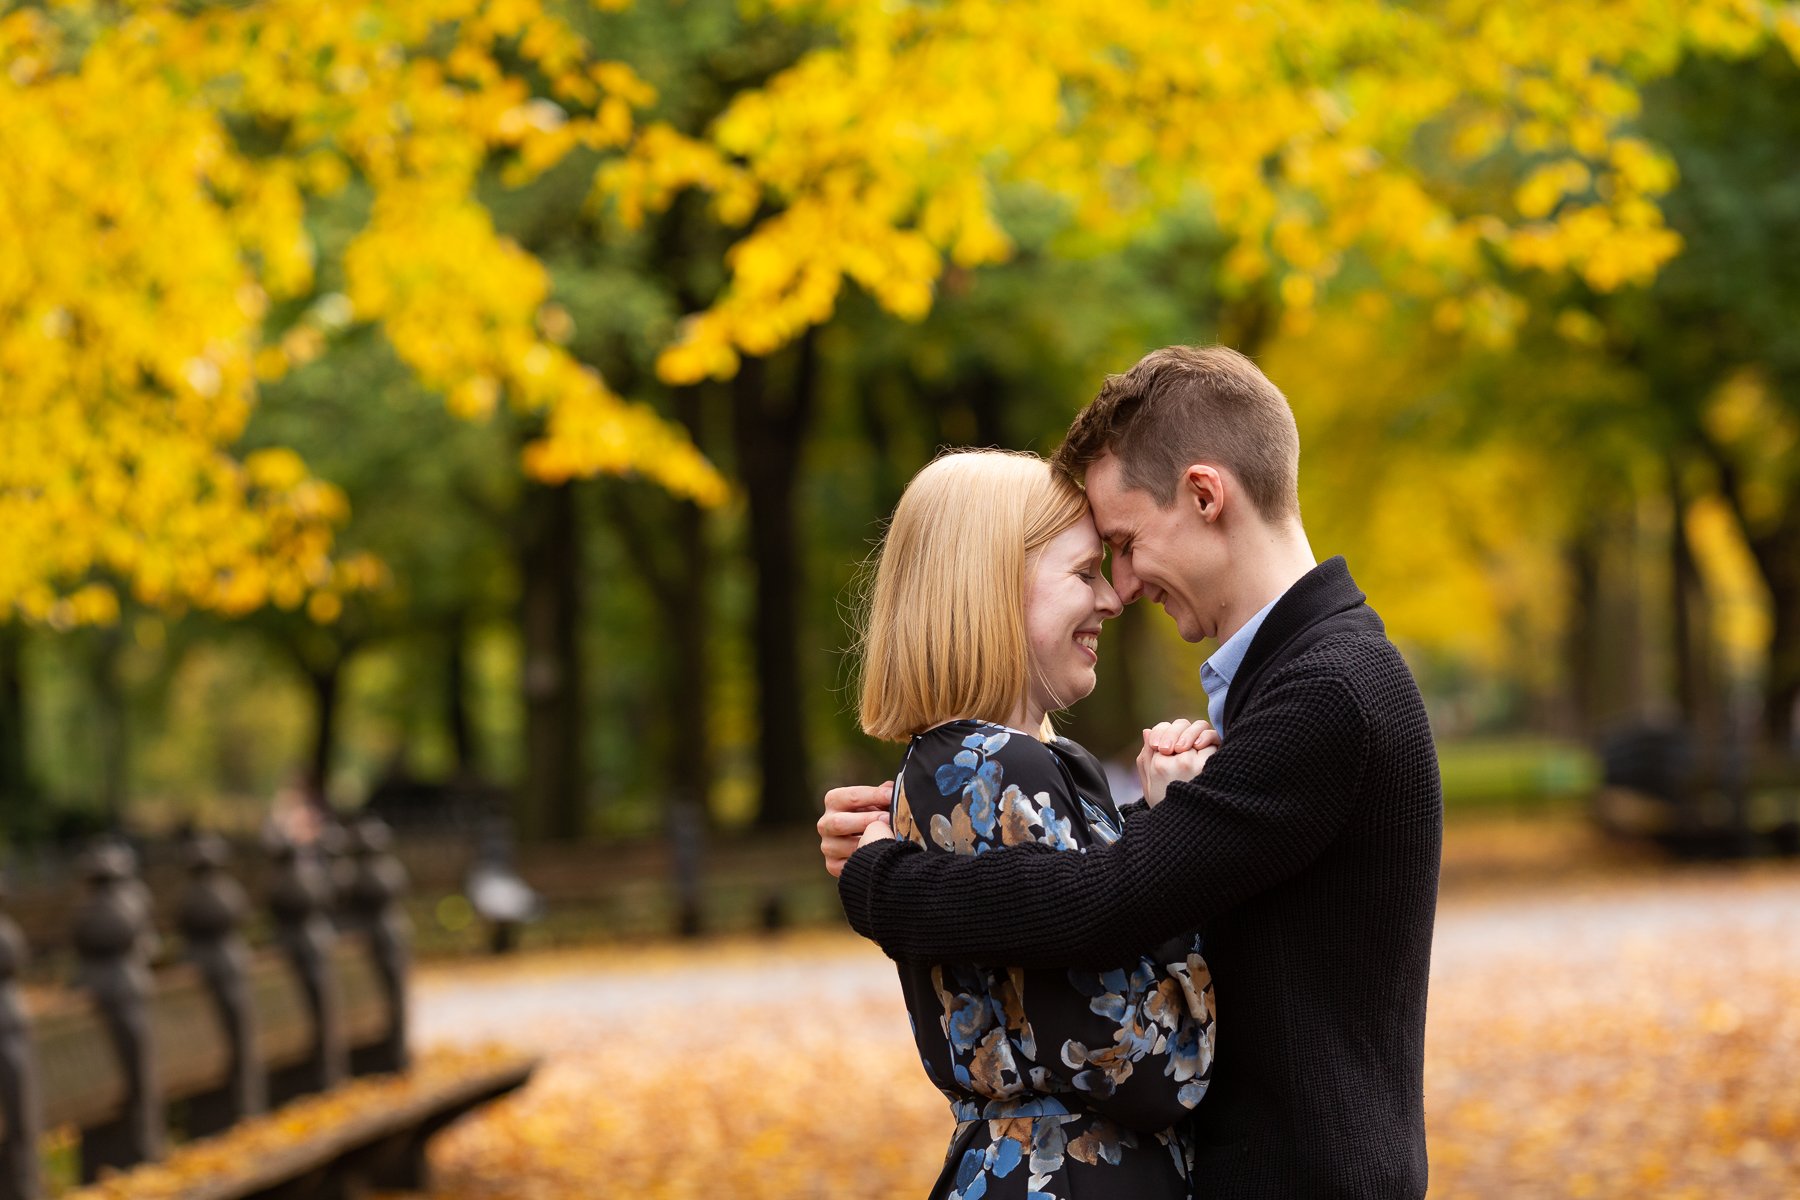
(145, 248)
(1302, 127)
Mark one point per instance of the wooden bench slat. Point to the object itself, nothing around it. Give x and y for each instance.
(192, 1053)
(79, 1073)
(359, 986)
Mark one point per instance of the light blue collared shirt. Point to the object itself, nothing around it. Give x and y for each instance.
(1216, 672)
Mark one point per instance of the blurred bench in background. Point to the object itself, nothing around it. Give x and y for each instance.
(225, 1034)
(1697, 801)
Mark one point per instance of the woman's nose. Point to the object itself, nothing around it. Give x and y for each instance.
(1106, 600)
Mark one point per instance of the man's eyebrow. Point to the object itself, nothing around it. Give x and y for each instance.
(1112, 537)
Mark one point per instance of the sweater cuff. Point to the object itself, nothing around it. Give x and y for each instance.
(859, 886)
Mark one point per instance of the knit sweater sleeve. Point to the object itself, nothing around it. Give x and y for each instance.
(1268, 803)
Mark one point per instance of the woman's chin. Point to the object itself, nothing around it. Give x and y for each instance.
(1081, 687)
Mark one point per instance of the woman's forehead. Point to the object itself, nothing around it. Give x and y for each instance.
(1079, 540)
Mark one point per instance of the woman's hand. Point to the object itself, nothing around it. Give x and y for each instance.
(1180, 735)
(878, 831)
(1157, 771)
(1174, 750)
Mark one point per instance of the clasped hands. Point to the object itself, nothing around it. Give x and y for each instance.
(857, 815)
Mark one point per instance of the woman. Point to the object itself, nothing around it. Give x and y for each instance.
(984, 617)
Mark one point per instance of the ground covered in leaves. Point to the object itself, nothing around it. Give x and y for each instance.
(1631, 1033)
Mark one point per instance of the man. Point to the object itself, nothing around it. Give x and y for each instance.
(1307, 851)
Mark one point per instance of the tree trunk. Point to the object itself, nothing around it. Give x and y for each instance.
(1695, 687)
(666, 540)
(769, 428)
(456, 704)
(1605, 648)
(552, 803)
(690, 750)
(110, 725)
(1582, 655)
(1778, 552)
(323, 680)
(18, 798)
(984, 391)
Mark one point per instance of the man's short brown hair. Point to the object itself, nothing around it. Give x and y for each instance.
(1192, 404)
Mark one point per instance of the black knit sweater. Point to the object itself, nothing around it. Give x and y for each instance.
(1307, 852)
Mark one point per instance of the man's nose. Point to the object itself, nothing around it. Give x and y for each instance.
(1124, 582)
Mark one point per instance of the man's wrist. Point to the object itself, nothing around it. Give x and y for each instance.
(860, 883)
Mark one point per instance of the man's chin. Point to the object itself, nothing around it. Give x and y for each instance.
(1184, 627)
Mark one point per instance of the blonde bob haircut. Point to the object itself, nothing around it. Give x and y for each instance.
(943, 637)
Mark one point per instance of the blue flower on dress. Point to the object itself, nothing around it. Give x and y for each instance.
(971, 1183)
(954, 774)
(968, 1021)
(988, 743)
(982, 790)
(1007, 1154)
(1059, 832)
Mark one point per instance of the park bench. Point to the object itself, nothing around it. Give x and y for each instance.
(1697, 800)
(227, 1034)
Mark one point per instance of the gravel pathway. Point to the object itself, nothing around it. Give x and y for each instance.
(1563, 927)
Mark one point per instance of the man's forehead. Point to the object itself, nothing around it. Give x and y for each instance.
(1116, 507)
(1116, 530)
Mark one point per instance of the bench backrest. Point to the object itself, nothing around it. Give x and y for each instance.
(228, 1032)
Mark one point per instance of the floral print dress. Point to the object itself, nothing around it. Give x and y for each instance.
(1065, 1084)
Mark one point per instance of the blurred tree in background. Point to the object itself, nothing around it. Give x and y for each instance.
(317, 329)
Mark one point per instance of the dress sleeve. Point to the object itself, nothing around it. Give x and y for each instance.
(1134, 1042)
(1268, 803)
(972, 792)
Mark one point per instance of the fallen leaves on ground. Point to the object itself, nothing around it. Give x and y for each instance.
(1634, 1037)
(716, 1074)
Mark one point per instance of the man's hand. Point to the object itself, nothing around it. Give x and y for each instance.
(1174, 750)
(854, 816)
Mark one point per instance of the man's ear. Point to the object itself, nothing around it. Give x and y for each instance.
(1203, 486)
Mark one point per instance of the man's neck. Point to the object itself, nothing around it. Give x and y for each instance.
(1274, 559)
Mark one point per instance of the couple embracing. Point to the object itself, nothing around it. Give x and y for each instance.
(1059, 954)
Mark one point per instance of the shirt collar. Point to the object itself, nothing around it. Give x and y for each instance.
(1226, 660)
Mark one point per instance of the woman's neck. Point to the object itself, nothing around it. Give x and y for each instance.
(1028, 716)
